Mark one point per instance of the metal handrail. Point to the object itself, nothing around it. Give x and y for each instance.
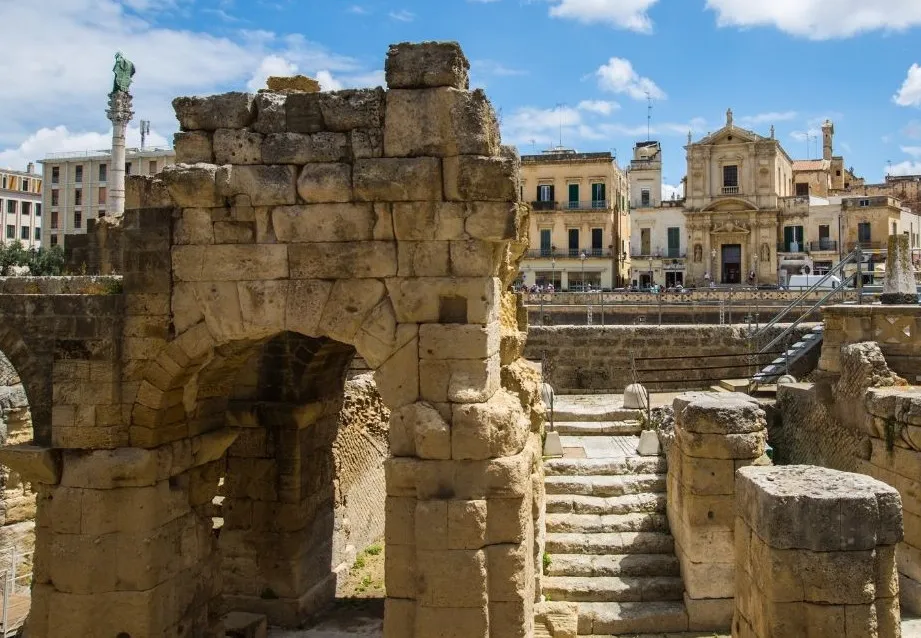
(839, 267)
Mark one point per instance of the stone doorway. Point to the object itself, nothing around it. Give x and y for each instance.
(732, 263)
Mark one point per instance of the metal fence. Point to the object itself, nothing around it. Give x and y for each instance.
(17, 591)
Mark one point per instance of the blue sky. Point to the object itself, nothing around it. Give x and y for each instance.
(585, 63)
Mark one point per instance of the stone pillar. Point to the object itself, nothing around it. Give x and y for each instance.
(119, 113)
(815, 554)
(715, 434)
(899, 287)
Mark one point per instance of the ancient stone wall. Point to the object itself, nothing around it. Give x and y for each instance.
(715, 435)
(815, 554)
(598, 358)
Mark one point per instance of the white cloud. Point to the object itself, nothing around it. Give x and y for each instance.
(358, 10)
(491, 67)
(602, 107)
(910, 93)
(912, 130)
(696, 125)
(907, 167)
(619, 76)
(767, 118)
(624, 14)
(402, 15)
(914, 151)
(271, 65)
(819, 19)
(529, 125)
(328, 82)
(670, 192)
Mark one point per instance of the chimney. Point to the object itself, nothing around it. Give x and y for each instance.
(30, 167)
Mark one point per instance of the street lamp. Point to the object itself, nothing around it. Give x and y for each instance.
(582, 256)
(553, 273)
(713, 265)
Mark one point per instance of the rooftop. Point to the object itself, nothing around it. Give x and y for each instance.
(103, 153)
(811, 165)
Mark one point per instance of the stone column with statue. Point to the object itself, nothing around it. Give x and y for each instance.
(119, 113)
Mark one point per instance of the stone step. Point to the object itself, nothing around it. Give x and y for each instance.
(597, 428)
(605, 619)
(606, 485)
(718, 388)
(734, 385)
(600, 523)
(592, 408)
(614, 565)
(628, 504)
(579, 589)
(605, 467)
(610, 543)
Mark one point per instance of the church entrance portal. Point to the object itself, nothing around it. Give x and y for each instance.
(732, 263)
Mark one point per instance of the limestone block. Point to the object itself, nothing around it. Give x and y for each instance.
(400, 571)
(721, 446)
(380, 335)
(35, 464)
(709, 614)
(425, 65)
(899, 286)
(423, 259)
(193, 185)
(705, 580)
(349, 303)
(493, 221)
(229, 110)
(453, 578)
(459, 380)
(400, 521)
(397, 379)
(511, 572)
(458, 341)
(237, 146)
(321, 183)
(902, 404)
(324, 223)
(493, 429)
(397, 179)
(806, 507)
(292, 83)
(271, 113)
(649, 443)
(467, 524)
(231, 262)
(440, 122)
(262, 306)
(433, 300)
(560, 618)
(192, 147)
(297, 148)
(234, 232)
(194, 226)
(480, 178)
(429, 220)
(303, 114)
(383, 225)
(332, 260)
(475, 258)
(367, 143)
(108, 469)
(238, 624)
(507, 520)
(306, 301)
(707, 511)
(399, 618)
(261, 185)
(729, 413)
(431, 434)
(431, 525)
(707, 476)
(636, 397)
(146, 192)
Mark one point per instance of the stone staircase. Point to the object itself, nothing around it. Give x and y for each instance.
(607, 533)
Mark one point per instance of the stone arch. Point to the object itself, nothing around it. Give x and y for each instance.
(36, 381)
(730, 203)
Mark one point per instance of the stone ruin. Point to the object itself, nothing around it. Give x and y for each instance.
(298, 230)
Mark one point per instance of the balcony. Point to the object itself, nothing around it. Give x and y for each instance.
(793, 247)
(868, 245)
(730, 190)
(594, 204)
(658, 253)
(823, 244)
(571, 253)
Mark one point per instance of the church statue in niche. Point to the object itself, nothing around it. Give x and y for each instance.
(698, 253)
(765, 252)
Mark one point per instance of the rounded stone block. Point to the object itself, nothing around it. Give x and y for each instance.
(636, 397)
(719, 413)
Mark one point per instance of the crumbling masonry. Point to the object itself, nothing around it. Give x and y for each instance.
(298, 230)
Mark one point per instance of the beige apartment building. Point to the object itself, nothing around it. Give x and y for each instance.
(580, 222)
(658, 237)
(76, 186)
(21, 206)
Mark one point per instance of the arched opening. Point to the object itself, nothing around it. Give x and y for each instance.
(300, 491)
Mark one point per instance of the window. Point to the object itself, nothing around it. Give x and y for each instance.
(597, 242)
(54, 240)
(645, 241)
(793, 239)
(54, 219)
(863, 232)
(24, 184)
(545, 192)
(546, 247)
(864, 203)
(78, 219)
(645, 198)
(24, 233)
(823, 231)
(573, 242)
(27, 208)
(102, 195)
(55, 197)
(38, 210)
(78, 173)
(38, 234)
(55, 174)
(599, 195)
(674, 242)
(731, 176)
(802, 190)
(11, 231)
(153, 167)
(837, 173)
(11, 206)
(78, 197)
(573, 196)
(103, 168)
(3, 182)
(128, 168)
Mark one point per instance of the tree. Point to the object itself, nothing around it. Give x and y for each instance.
(41, 261)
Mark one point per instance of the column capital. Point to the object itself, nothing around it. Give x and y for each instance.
(119, 111)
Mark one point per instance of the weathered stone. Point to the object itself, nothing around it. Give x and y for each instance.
(425, 301)
(425, 65)
(493, 429)
(35, 464)
(367, 143)
(730, 413)
(292, 83)
(423, 259)
(229, 110)
(322, 183)
(305, 304)
(236, 146)
(397, 179)
(474, 258)
(459, 380)
(349, 303)
(493, 221)
(261, 185)
(636, 397)
(193, 186)
(271, 113)
(351, 109)
(439, 123)
(899, 286)
(398, 378)
(298, 148)
(458, 341)
(431, 434)
(303, 114)
(343, 259)
(477, 178)
(324, 223)
(429, 220)
(193, 147)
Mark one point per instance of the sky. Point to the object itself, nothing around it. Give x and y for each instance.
(583, 72)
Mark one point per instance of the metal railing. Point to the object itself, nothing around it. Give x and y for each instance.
(569, 253)
(868, 245)
(795, 247)
(594, 204)
(16, 593)
(823, 244)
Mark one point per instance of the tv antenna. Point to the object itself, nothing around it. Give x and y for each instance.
(559, 108)
(145, 131)
(648, 115)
